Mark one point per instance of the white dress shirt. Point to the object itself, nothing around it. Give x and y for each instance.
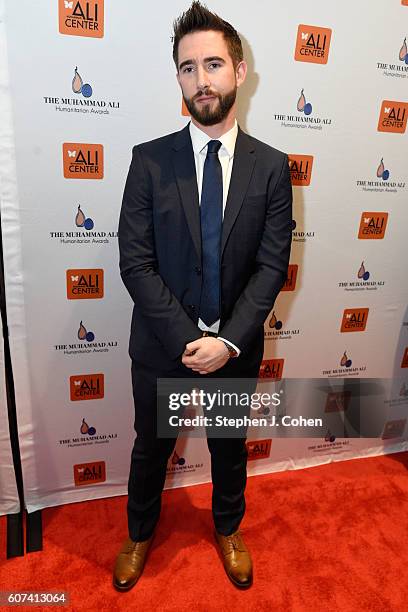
(200, 141)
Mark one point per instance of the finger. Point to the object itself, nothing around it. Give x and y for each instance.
(199, 370)
(190, 356)
(192, 366)
(193, 346)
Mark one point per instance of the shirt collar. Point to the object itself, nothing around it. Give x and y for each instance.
(200, 139)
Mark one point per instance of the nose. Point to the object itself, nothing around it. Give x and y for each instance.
(202, 78)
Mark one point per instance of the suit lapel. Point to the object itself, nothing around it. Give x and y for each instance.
(243, 165)
(185, 172)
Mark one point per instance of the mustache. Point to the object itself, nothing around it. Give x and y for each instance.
(205, 92)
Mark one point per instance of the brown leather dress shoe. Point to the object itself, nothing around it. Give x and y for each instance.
(130, 563)
(236, 559)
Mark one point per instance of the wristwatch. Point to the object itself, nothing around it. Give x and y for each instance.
(232, 352)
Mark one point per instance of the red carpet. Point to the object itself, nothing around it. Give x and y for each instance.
(332, 537)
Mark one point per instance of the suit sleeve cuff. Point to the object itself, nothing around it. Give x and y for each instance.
(230, 344)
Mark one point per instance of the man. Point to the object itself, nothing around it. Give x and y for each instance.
(204, 237)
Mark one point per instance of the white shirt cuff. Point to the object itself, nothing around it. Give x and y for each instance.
(230, 343)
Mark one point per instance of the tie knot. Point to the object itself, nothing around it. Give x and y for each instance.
(213, 146)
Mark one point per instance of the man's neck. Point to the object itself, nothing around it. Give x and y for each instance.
(217, 130)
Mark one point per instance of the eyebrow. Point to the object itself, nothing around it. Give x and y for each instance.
(213, 58)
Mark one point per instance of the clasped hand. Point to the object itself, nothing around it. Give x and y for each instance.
(205, 355)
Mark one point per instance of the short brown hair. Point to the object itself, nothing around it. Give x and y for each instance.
(199, 19)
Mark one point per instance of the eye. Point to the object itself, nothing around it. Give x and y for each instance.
(214, 65)
(187, 69)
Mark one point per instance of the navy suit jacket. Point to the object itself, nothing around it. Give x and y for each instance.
(160, 246)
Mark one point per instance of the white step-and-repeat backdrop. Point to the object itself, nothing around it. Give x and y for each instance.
(91, 78)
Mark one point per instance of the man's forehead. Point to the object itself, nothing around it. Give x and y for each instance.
(202, 44)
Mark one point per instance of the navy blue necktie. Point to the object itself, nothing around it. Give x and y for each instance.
(211, 226)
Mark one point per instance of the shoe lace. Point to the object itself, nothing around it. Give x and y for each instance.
(234, 542)
(134, 547)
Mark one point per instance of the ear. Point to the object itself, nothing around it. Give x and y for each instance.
(178, 77)
(241, 72)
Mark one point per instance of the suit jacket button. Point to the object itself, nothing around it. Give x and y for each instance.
(198, 270)
(191, 307)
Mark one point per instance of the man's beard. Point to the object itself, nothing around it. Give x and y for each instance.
(206, 116)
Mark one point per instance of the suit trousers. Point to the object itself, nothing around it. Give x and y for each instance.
(150, 454)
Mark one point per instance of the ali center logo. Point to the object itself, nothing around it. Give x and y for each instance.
(372, 225)
(89, 473)
(271, 369)
(300, 167)
(361, 282)
(81, 17)
(304, 117)
(354, 320)
(393, 117)
(379, 182)
(86, 387)
(312, 44)
(258, 449)
(290, 282)
(86, 232)
(85, 284)
(398, 67)
(83, 101)
(394, 429)
(82, 161)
